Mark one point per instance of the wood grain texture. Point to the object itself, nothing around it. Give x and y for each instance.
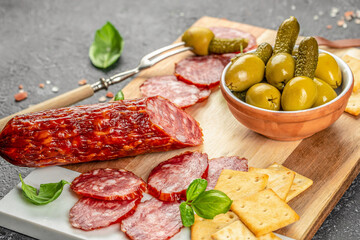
(330, 158)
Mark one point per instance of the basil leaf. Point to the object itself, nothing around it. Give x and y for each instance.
(107, 46)
(211, 203)
(195, 188)
(47, 192)
(187, 214)
(119, 96)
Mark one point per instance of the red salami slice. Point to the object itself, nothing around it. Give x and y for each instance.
(224, 32)
(226, 58)
(216, 165)
(169, 180)
(204, 94)
(182, 94)
(201, 71)
(153, 220)
(89, 213)
(109, 184)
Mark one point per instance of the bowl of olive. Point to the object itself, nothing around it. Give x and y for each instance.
(294, 110)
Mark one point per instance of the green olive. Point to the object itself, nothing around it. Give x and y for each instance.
(280, 69)
(199, 39)
(328, 70)
(264, 95)
(299, 93)
(244, 72)
(325, 93)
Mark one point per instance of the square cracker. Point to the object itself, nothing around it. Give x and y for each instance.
(234, 231)
(264, 212)
(354, 64)
(299, 184)
(353, 105)
(237, 230)
(203, 228)
(279, 181)
(237, 184)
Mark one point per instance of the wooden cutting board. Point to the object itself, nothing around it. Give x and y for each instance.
(330, 158)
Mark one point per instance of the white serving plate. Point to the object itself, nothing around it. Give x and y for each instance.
(51, 221)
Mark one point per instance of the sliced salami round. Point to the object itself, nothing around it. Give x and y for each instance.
(180, 93)
(201, 71)
(204, 94)
(226, 58)
(169, 180)
(109, 184)
(153, 220)
(224, 32)
(216, 165)
(90, 213)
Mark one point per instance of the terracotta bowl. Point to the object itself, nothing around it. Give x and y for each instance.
(291, 125)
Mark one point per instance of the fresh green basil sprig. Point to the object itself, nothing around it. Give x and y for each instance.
(107, 46)
(47, 192)
(206, 204)
(119, 96)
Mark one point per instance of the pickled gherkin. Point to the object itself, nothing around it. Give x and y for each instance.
(286, 36)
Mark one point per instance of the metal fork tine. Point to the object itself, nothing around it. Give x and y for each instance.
(161, 50)
(147, 61)
(168, 54)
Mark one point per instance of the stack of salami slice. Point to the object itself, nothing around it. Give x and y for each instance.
(167, 183)
(107, 196)
(195, 76)
(114, 195)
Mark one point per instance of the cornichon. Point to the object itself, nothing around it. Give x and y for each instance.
(307, 58)
(203, 41)
(286, 36)
(222, 45)
(264, 51)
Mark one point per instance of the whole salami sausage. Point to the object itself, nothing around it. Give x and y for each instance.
(97, 132)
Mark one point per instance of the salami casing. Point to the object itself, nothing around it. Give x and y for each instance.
(89, 213)
(153, 220)
(109, 184)
(216, 165)
(169, 180)
(100, 132)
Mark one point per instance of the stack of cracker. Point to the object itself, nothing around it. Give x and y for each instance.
(259, 206)
(353, 106)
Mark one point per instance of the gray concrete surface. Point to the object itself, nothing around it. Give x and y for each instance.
(49, 40)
